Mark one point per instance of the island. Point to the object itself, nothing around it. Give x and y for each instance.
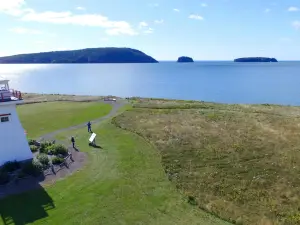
(88, 55)
(185, 59)
(255, 59)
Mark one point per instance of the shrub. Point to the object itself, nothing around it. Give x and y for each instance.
(44, 146)
(4, 177)
(33, 168)
(60, 150)
(43, 159)
(31, 142)
(33, 148)
(43, 150)
(11, 166)
(57, 160)
(192, 200)
(50, 150)
(46, 143)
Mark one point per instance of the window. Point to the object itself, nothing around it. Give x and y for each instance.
(4, 119)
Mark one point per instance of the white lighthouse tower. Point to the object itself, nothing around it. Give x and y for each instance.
(13, 142)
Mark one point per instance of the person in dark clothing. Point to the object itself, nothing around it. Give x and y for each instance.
(89, 125)
(73, 141)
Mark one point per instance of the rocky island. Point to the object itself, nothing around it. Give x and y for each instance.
(185, 59)
(89, 55)
(255, 59)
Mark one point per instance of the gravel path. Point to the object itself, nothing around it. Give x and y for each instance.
(49, 179)
(115, 107)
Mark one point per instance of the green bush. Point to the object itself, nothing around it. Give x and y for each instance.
(11, 166)
(4, 177)
(43, 159)
(44, 147)
(31, 142)
(33, 168)
(33, 148)
(60, 150)
(43, 150)
(50, 150)
(57, 160)
(46, 143)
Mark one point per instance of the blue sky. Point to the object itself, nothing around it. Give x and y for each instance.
(164, 29)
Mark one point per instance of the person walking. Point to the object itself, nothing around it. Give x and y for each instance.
(73, 141)
(89, 125)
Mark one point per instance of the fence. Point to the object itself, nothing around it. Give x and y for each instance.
(6, 95)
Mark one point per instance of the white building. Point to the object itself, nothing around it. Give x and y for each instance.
(13, 142)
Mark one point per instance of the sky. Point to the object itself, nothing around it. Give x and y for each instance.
(164, 29)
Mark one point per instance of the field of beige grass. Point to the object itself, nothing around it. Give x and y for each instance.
(240, 162)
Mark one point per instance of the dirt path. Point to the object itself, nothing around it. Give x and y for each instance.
(115, 107)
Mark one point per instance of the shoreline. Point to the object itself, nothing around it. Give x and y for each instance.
(30, 98)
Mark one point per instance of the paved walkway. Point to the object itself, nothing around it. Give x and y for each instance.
(115, 107)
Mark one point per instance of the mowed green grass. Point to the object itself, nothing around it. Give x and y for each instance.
(42, 118)
(240, 162)
(122, 183)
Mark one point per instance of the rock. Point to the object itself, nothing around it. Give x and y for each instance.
(184, 59)
(255, 59)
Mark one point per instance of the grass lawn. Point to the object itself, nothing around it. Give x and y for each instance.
(240, 162)
(123, 183)
(42, 118)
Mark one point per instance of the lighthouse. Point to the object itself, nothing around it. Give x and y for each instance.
(13, 143)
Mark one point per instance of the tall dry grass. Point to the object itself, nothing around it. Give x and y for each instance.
(240, 162)
(38, 98)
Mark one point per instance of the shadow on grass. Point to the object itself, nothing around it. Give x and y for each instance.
(95, 146)
(27, 207)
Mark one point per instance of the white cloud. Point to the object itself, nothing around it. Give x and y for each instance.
(16, 8)
(159, 21)
(293, 9)
(149, 31)
(143, 24)
(204, 5)
(12, 7)
(92, 20)
(196, 17)
(176, 10)
(22, 30)
(80, 8)
(144, 27)
(267, 10)
(296, 24)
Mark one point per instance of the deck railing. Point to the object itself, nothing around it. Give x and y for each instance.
(6, 95)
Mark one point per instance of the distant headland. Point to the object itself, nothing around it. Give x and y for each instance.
(255, 59)
(89, 55)
(184, 59)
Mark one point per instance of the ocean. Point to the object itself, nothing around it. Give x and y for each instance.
(224, 82)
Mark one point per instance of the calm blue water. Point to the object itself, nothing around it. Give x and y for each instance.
(227, 82)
